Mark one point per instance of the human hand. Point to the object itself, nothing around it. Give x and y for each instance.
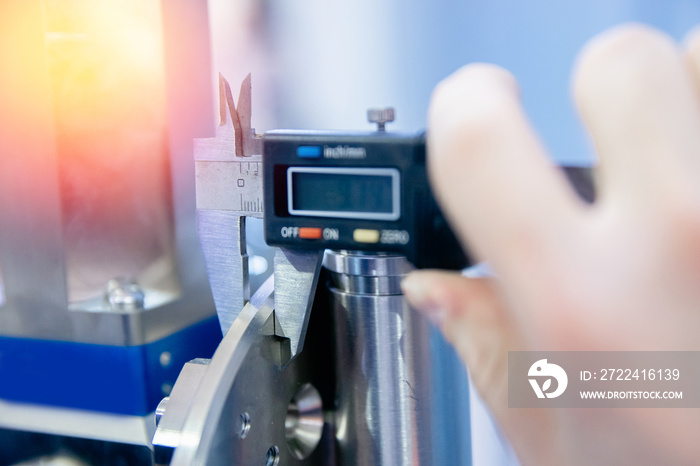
(622, 274)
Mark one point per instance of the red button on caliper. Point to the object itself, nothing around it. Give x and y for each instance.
(310, 233)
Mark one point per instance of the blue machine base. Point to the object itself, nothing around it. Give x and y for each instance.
(111, 379)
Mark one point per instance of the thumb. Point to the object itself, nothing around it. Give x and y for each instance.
(471, 316)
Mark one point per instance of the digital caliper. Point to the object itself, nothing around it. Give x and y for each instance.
(361, 191)
(317, 191)
(321, 190)
(356, 191)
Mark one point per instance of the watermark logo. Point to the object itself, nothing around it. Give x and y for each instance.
(604, 379)
(547, 371)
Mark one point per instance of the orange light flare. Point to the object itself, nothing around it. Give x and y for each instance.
(106, 82)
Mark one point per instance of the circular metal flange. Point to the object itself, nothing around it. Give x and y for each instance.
(245, 407)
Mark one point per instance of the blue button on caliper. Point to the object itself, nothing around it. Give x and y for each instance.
(309, 152)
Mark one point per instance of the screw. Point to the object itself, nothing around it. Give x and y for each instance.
(165, 358)
(245, 425)
(380, 116)
(273, 456)
(160, 409)
(124, 294)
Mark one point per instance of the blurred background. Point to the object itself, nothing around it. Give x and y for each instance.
(103, 291)
(321, 64)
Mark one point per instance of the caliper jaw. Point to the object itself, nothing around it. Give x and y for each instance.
(228, 188)
(222, 235)
(228, 170)
(296, 278)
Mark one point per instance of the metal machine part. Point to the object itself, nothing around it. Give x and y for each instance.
(38, 201)
(229, 189)
(362, 390)
(244, 407)
(228, 171)
(96, 177)
(296, 277)
(389, 408)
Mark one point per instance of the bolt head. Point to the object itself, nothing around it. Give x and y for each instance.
(124, 294)
(160, 409)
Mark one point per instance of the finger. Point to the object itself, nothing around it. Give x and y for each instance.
(692, 55)
(490, 173)
(634, 90)
(471, 316)
(692, 52)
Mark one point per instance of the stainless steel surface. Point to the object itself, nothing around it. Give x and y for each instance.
(222, 235)
(360, 273)
(229, 185)
(389, 408)
(198, 398)
(357, 263)
(238, 413)
(228, 170)
(296, 278)
(170, 417)
(380, 116)
(133, 430)
(137, 328)
(190, 103)
(366, 285)
(32, 246)
(31, 242)
(391, 396)
(303, 425)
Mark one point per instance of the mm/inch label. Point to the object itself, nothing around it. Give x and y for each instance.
(230, 185)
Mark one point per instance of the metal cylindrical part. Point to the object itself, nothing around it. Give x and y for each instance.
(388, 406)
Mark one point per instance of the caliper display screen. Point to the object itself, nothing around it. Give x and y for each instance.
(339, 192)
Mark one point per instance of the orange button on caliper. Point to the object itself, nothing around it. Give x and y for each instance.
(310, 233)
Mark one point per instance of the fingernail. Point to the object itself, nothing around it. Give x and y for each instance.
(418, 293)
